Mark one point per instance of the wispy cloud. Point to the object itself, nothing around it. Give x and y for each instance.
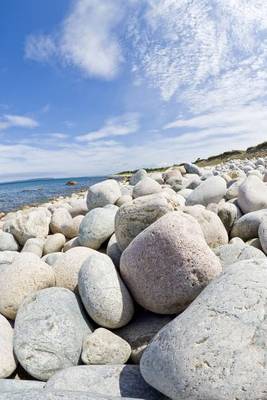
(11, 121)
(86, 39)
(120, 126)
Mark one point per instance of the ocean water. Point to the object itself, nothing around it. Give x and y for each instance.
(14, 195)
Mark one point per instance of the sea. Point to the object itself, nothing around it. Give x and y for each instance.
(15, 195)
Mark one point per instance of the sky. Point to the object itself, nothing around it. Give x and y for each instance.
(90, 87)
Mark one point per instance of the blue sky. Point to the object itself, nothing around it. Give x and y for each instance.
(91, 87)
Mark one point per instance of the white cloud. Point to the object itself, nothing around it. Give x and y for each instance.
(39, 47)
(120, 126)
(86, 40)
(11, 121)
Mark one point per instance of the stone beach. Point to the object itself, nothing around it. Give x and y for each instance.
(148, 287)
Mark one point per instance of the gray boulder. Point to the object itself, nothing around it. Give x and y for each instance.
(103, 193)
(8, 362)
(97, 226)
(167, 265)
(114, 251)
(134, 217)
(116, 380)
(49, 332)
(252, 195)
(211, 190)
(145, 187)
(103, 293)
(42, 394)
(247, 226)
(103, 347)
(8, 242)
(35, 246)
(54, 243)
(232, 253)
(216, 349)
(62, 222)
(138, 176)
(263, 235)
(29, 224)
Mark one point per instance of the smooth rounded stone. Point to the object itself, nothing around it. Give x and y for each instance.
(8, 242)
(255, 243)
(216, 349)
(103, 293)
(134, 217)
(78, 207)
(35, 246)
(71, 244)
(157, 176)
(167, 265)
(113, 251)
(29, 224)
(62, 222)
(233, 189)
(145, 187)
(8, 362)
(49, 332)
(77, 223)
(104, 347)
(123, 200)
(51, 258)
(256, 173)
(265, 177)
(229, 213)
(7, 257)
(138, 176)
(116, 380)
(252, 195)
(141, 330)
(192, 181)
(174, 178)
(185, 193)
(126, 190)
(263, 235)
(103, 193)
(42, 394)
(54, 243)
(247, 226)
(27, 274)
(67, 267)
(192, 168)
(211, 190)
(97, 227)
(212, 227)
(18, 386)
(234, 252)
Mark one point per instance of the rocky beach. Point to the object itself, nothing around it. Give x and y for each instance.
(154, 287)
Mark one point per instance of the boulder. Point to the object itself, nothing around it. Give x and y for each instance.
(67, 267)
(35, 246)
(212, 227)
(97, 227)
(77, 223)
(141, 330)
(62, 222)
(8, 362)
(233, 189)
(8, 242)
(78, 207)
(116, 380)
(123, 200)
(192, 168)
(113, 251)
(216, 349)
(49, 332)
(211, 190)
(104, 347)
(134, 217)
(232, 253)
(263, 235)
(167, 265)
(24, 276)
(103, 193)
(29, 224)
(42, 394)
(145, 187)
(229, 213)
(54, 243)
(138, 176)
(252, 195)
(51, 258)
(247, 226)
(103, 293)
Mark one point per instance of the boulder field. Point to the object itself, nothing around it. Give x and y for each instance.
(151, 287)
